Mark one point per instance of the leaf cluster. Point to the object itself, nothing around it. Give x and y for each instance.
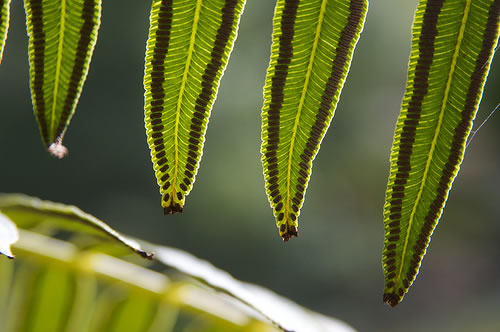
(188, 48)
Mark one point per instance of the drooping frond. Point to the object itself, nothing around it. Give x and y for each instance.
(313, 43)
(28, 212)
(4, 24)
(188, 49)
(453, 43)
(90, 282)
(62, 36)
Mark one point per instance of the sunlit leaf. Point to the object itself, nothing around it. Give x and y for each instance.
(145, 299)
(6, 277)
(313, 43)
(27, 212)
(453, 44)
(128, 295)
(62, 38)
(132, 312)
(4, 24)
(49, 302)
(188, 48)
(282, 312)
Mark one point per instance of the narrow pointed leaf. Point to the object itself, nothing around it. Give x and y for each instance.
(313, 43)
(4, 24)
(8, 235)
(26, 212)
(62, 38)
(453, 43)
(188, 48)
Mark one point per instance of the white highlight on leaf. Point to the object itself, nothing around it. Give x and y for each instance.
(8, 235)
(283, 313)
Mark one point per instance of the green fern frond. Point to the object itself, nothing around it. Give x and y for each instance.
(188, 49)
(4, 24)
(62, 36)
(453, 43)
(313, 43)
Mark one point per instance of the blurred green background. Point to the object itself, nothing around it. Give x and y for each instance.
(335, 265)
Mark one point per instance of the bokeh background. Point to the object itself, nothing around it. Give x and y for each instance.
(334, 267)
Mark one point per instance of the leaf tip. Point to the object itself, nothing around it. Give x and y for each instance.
(391, 299)
(9, 255)
(57, 149)
(172, 209)
(145, 254)
(289, 233)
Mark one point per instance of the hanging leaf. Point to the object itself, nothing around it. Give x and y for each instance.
(27, 212)
(313, 43)
(4, 24)
(453, 44)
(188, 48)
(62, 35)
(8, 235)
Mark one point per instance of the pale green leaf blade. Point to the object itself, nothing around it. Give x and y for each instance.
(83, 302)
(313, 43)
(51, 301)
(27, 211)
(6, 277)
(282, 312)
(62, 36)
(4, 24)
(21, 293)
(8, 235)
(247, 307)
(188, 48)
(132, 312)
(453, 43)
(47, 296)
(116, 289)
